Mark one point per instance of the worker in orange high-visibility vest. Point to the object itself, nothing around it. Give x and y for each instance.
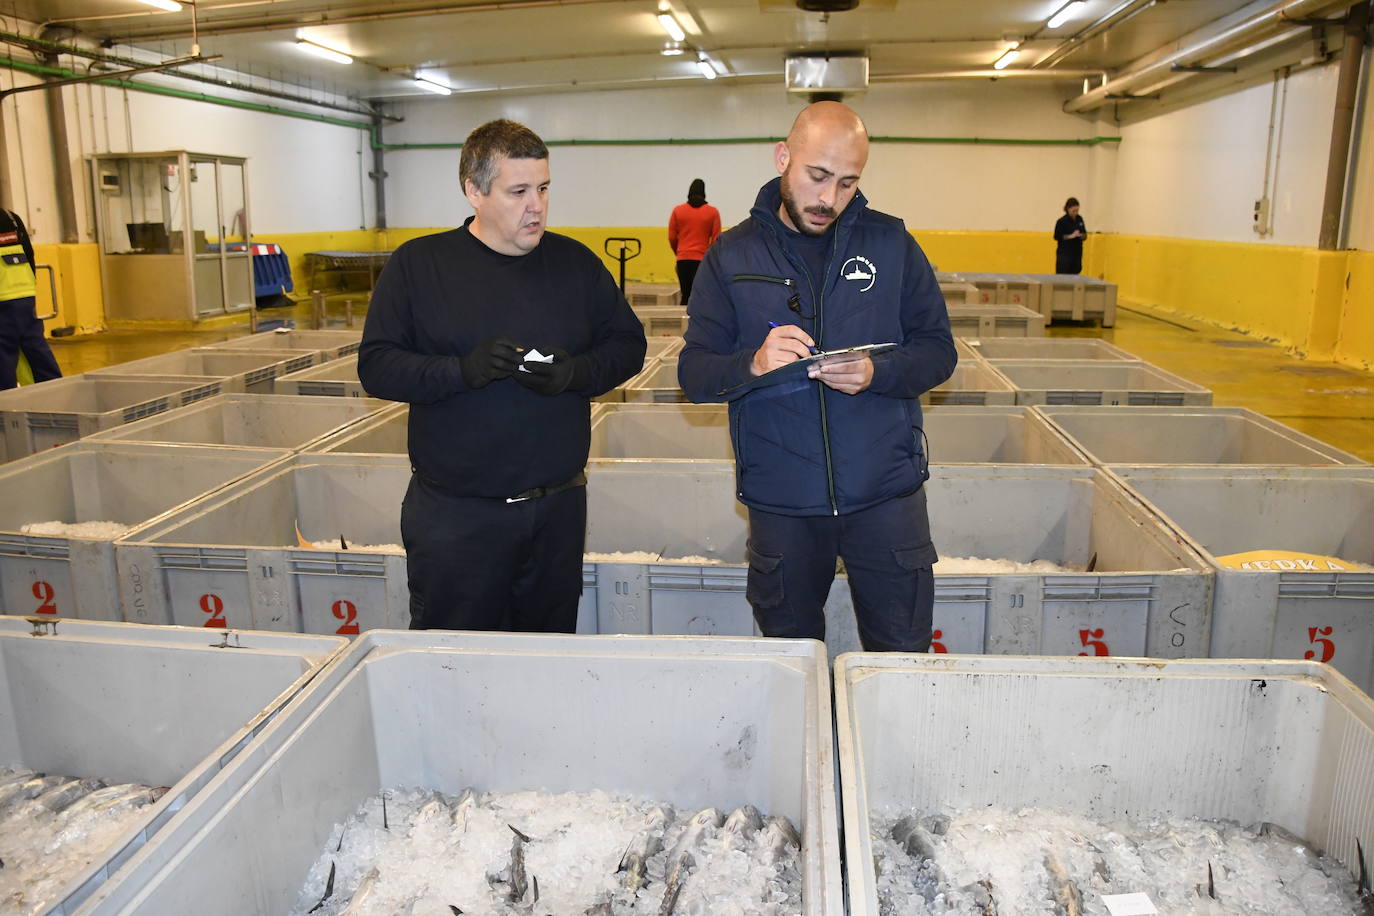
(20, 329)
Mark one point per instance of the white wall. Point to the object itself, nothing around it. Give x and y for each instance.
(1360, 191)
(304, 175)
(930, 186)
(1197, 172)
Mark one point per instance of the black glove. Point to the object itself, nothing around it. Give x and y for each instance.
(566, 371)
(493, 358)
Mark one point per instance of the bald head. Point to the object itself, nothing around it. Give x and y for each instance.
(820, 163)
(828, 122)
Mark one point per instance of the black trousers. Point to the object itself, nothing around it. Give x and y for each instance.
(888, 556)
(21, 330)
(485, 564)
(1068, 261)
(686, 273)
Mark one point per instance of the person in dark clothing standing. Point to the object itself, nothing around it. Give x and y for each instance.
(829, 462)
(1069, 232)
(692, 228)
(20, 329)
(498, 334)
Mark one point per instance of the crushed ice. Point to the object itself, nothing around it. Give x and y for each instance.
(439, 852)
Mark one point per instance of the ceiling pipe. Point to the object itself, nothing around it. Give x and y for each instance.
(1121, 14)
(261, 24)
(918, 75)
(1152, 74)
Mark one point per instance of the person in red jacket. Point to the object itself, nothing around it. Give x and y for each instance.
(691, 230)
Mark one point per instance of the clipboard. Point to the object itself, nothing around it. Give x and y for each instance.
(797, 370)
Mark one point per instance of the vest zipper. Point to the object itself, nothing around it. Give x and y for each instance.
(819, 298)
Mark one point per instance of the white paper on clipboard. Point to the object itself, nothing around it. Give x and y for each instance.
(846, 354)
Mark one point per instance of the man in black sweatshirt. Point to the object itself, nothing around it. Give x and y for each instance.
(462, 325)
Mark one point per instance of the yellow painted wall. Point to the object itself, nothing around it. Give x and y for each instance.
(1356, 344)
(1297, 297)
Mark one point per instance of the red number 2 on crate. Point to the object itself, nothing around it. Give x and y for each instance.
(214, 606)
(44, 592)
(1092, 639)
(348, 613)
(1328, 647)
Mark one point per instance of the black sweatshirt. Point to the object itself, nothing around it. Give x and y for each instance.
(438, 298)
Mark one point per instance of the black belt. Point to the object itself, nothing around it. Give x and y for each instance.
(579, 480)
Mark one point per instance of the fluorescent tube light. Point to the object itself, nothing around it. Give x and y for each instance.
(1005, 60)
(170, 6)
(319, 50)
(431, 86)
(670, 48)
(670, 25)
(704, 65)
(1064, 14)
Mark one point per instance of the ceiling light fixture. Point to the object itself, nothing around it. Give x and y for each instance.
(1064, 14)
(671, 25)
(430, 85)
(1007, 57)
(319, 50)
(170, 6)
(671, 48)
(704, 65)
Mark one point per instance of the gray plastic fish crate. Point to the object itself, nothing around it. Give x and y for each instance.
(958, 292)
(659, 347)
(661, 431)
(640, 295)
(1290, 743)
(1190, 435)
(163, 706)
(232, 559)
(1078, 348)
(1073, 296)
(1148, 595)
(384, 433)
(721, 723)
(996, 435)
(957, 435)
(326, 344)
(659, 321)
(127, 483)
(1004, 289)
(38, 417)
(337, 378)
(1317, 614)
(249, 421)
(1099, 382)
(657, 384)
(973, 383)
(238, 370)
(984, 321)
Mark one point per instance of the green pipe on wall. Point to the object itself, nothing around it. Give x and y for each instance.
(40, 70)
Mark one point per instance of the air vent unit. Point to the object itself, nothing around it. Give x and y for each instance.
(826, 73)
(827, 6)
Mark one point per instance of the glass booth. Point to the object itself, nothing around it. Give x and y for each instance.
(173, 229)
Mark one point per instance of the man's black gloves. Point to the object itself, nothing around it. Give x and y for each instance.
(492, 359)
(565, 372)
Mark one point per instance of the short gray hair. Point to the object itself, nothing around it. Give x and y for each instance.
(492, 141)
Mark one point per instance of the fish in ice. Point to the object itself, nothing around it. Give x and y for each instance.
(1064, 893)
(742, 822)
(648, 843)
(779, 836)
(366, 888)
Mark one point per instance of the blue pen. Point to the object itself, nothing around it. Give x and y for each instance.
(774, 324)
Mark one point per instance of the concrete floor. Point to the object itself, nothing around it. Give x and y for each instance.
(1331, 402)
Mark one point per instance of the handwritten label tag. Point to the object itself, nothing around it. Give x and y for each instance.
(1129, 905)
